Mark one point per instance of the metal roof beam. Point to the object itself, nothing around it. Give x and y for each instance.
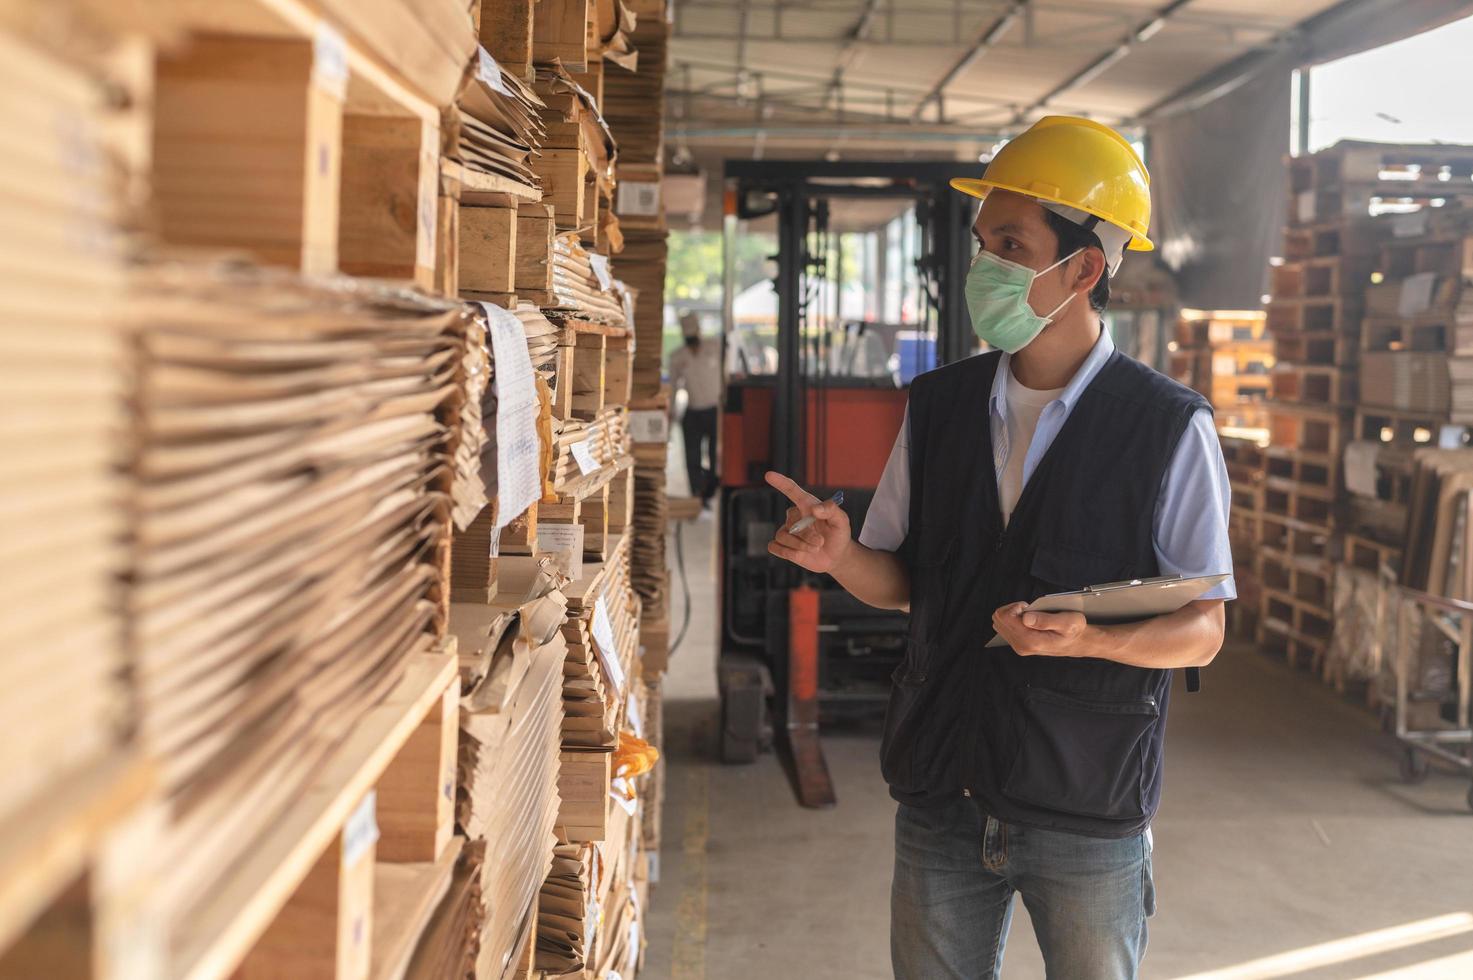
(1142, 33)
(985, 40)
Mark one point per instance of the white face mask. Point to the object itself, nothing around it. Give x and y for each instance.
(997, 298)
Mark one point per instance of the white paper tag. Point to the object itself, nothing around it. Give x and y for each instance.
(603, 643)
(649, 425)
(1304, 206)
(488, 71)
(361, 831)
(583, 456)
(600, 265)
(517, 445)
(1416, 293)
(1413, 224)
(564, 541)
(628, 312)
(638, 198)
(636, 720)
(330, 61)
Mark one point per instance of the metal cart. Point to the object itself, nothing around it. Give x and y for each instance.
(1453, 618)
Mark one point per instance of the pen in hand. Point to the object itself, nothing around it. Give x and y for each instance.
(807, 522)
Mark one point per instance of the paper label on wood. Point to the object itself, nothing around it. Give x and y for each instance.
(636, 720)
(361, 831)
(330, 61)
(1360, 468)
(517, 447)
(1416, 293)
(628, 312)
(565, 543)
(583, 456)
(1410, 225)
(488, 71)
(638, 198)
(649, 425)
(600, 265)
(1305, 206)
(603, 644)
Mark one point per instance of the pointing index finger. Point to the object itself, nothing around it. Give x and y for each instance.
(791, 490)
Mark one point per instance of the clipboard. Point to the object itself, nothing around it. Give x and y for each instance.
(1125, 602)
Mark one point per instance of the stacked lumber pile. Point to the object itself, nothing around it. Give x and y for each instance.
(634, 107)
(291, 455)
(62, 353)
(512, 664)
(601, 632)
(496, 127)
(582, 286)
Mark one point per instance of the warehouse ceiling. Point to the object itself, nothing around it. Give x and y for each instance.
(939, 78)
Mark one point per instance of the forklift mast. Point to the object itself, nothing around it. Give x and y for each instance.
(795, 648)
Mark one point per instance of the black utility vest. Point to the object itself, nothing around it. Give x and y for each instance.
(1060, 743)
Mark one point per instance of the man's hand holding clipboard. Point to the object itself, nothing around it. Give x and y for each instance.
(1051, 625)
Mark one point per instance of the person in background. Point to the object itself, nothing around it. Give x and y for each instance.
(696, 367)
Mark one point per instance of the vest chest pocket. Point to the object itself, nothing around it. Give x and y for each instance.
(1083, 756)
(1059, 568)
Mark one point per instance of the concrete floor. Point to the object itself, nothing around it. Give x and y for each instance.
(1286, 846)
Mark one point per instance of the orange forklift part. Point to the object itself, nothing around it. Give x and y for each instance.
(803, 644)
(861, 428)
(810, 769)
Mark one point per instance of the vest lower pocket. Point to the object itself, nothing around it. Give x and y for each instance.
(1083, 756)
(904, 757)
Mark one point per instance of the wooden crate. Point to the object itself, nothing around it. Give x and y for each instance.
(583, 785)
(298, 149)
(488, 249)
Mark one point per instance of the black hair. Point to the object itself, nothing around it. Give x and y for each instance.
(1072, 238)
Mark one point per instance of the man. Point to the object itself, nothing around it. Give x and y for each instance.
(696, 367)
(1052, 463)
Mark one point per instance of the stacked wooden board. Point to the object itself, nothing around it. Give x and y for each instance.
(317, 798)
(66, 765)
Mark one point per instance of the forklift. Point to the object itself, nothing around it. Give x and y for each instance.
(795, 649)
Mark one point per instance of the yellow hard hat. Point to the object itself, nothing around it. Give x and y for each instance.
(1078, 163)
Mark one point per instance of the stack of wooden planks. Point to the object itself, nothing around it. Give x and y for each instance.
(292, 455)
(62, 391)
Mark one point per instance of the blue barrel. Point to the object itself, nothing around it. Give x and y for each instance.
(917, 352)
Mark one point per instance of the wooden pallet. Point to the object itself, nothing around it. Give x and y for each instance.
(1309, 505)
(1293, 629)
(1397, 429)
(1356, 236)
(1319, 348)
(1443, 254)
(1424, 332)
(1320, 277)
(1301, 466)
(1315, 314)
(1370, 554)
(1306, 577)
(380, 809)
(1312, 384)
(1309, 428)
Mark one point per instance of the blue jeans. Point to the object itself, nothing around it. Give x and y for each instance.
(952, 898)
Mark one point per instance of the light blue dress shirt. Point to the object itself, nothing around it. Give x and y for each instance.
(1191, 522)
